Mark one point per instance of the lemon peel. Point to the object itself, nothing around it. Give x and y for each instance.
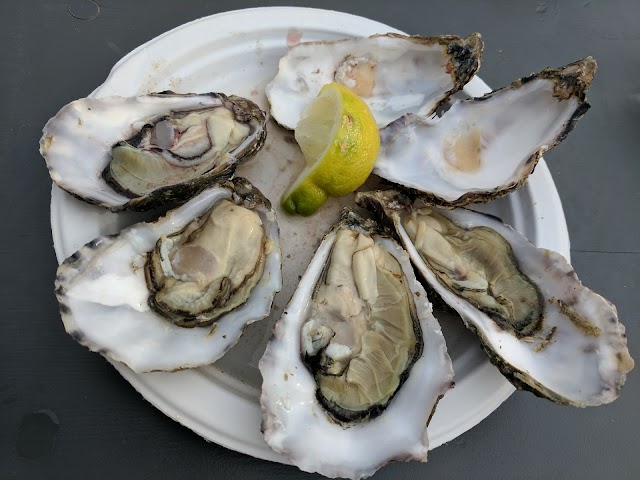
(339, 139)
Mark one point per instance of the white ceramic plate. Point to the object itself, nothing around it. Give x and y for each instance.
(237, 52)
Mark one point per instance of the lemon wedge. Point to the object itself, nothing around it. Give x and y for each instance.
(339, 139)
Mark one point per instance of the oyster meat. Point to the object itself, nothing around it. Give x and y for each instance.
(136, 153)
(357, 363)
(483, 148)
(129, 296)
(538, 323)
(394, 74)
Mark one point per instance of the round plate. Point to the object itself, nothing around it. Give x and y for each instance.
(237, 53)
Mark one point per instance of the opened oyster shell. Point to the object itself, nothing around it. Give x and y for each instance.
(483, 148)
(136, 153)
(394, 74)
(357, 363)
(540, 326)
(128, 296)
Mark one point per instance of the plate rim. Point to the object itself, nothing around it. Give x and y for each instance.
(143, 383)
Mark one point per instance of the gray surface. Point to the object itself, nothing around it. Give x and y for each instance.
(106, 430)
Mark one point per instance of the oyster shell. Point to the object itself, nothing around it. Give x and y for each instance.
(107, 304)
(483, 148)
(357, 363)
(394, 74)
(136, 153)
(538, 323)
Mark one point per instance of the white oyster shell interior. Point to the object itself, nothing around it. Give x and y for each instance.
(393, 74)
(296, 425)
(482, 145)
(580, 355)
(77, 142)
(103, 295)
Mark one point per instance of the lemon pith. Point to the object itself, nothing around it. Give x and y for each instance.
(340, 142)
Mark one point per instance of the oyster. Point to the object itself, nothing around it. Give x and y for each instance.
(394, 74)
(483, 148)
(128, 296)
(357, 351)
(136, 153)
(540, 326)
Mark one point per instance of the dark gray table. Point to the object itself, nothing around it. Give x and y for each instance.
(103, 429)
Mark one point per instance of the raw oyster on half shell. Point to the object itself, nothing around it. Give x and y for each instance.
(137, 153)
(129, 296)
(483, 148)
(538, 323)
(357, 363)
(394, 74)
